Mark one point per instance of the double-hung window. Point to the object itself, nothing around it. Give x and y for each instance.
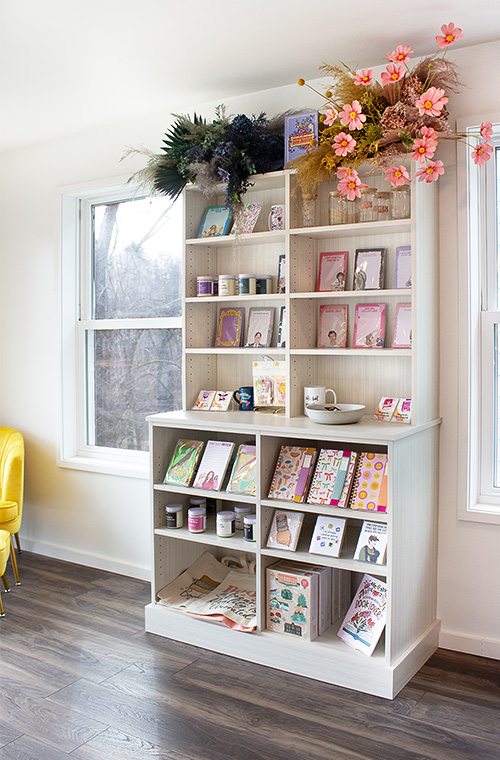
(480, 404)
(121, 302)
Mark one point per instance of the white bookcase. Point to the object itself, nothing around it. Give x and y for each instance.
(358, 376)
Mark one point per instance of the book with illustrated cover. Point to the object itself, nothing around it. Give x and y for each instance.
(343, 501)
(402, 274)
(332, 332)
(372, 543)
(229, 327)
(215, 222)
(204, 400)
(369, 269)
(250, 214)
(327, 536)
(285, 530)
(213, 465)
(183, 463)
(402, 326)
(244, 472)
(329, 476)
(222, 401)
(369, 325)
(365, 618)
(293, 473)
(332, 271)
(292, 604)
(301, 134)
(368, 481)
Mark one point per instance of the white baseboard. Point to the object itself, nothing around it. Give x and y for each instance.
(100, 563)
(470, 644)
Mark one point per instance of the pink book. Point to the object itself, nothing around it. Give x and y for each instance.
(368, 481)
(293, 473)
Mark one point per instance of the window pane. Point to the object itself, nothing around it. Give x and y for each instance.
(136, 259)
(496, 412)
(497, 219)
(131, 373)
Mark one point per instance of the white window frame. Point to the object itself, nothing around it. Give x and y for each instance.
(478, 499)
(75, 289)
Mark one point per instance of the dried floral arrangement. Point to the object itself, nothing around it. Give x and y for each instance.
(386, 124)
(230, 149)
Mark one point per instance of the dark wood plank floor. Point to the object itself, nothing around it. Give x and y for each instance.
(80, 679)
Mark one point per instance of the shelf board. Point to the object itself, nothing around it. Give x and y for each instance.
(223, 495)
(343, 563)
(232, 351)
(340, 294)
(325, 509)
(357, 230)
(252, 238)
(237, 299)
(209, 537)
(381, 352)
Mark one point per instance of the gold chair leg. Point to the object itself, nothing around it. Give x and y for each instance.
(18, 542)
(5, 582)
(2, 613)
(13, 560)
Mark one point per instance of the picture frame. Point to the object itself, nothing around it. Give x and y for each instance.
(300, 130)
(216, 221)
(332, 271)
(332, 326)
(260, 325)
(402, 272)
(369, 325)
(402, 326)
(369, 269)
(281, 286)
(229, 327)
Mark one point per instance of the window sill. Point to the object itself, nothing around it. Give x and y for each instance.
(481, 512)
(136, 466)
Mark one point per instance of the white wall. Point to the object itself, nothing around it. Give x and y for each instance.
(103, 520)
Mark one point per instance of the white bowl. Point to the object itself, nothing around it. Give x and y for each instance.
(340, 414)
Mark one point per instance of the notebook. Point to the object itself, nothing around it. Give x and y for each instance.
(293, 473)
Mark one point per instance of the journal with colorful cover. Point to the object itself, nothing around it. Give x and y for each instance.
(329, 476)
(368, 481)
(348, 482)
(213, 465)
(293, 473)
(182, 466)
(243, 474)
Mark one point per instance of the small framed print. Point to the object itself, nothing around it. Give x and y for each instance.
(260, 327)
(369, 325)
(332, 271)
(332, 331)
(215, 222)
(229, 328)
(402, 274)
(369, 269)
(402, 326)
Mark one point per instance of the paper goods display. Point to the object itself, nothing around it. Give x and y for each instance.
(260, 327)
(214, 591)
(372, 543)
(214, 464)
(182, 466)
(332, 271)
(327, 536)
(204, 401)
(369, 325)
(285, 530)
(293, 473)
(332, 331)
(292, 601)
(368, 481)
(329, 477)
(365, 619)
(402, 326)
(269, 386)
(243, 474)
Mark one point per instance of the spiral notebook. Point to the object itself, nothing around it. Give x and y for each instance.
(329, 476)
(293, 473)
(368, 481)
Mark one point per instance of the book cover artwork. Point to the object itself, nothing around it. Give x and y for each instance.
(402, 274)
(243, 475)
(327, 536)
(300, 132)
(365, 618)
(181, 469)
(332, 326)
(292, 602)
(285, 530)
(215, 221)
(260, 327)
(368, 481)
(369, 269)
(213, 465)
(402, 326)
(332, 271)
(369, 325)
(229, 328)
(292, 473)
(372, 543)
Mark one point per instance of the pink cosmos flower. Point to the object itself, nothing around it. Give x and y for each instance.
(423, 149)
(365, 76)
(351, 115)
(392, 73)
(343, 144)
(351, 187)
(400, 55)
(487, 131)
(429, 135)
(346, 171)
(431, 102)
(450, 34)
(482, 153)
(431, 172)
(397, 175)
(331, 115)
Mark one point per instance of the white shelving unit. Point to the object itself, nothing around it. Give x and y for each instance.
(358, 376)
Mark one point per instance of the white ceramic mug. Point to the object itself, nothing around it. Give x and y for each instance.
(276, 219)
(316, 394)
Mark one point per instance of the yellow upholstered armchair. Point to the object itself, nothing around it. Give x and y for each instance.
(11, 487)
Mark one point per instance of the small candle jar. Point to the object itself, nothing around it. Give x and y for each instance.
(225, 524)
(350, 211)
(383, 206)
(198, 501)
(309, 203)
(196, 519)
(240, 510)
(400, 202)
(205, 285)
(336, 206)
(227, 285)
(249, 527)
(367, 204)
(174, 516)
(264, 284)
(247, 284)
